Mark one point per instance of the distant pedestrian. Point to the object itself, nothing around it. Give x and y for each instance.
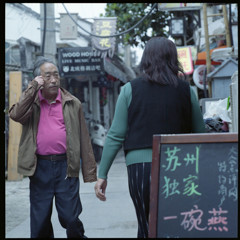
(54, 138)
(160, 101)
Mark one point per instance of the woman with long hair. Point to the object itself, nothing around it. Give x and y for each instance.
(157, 102)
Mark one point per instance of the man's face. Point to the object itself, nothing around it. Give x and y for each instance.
(51, 78)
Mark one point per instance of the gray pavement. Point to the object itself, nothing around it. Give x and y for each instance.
(114, 218)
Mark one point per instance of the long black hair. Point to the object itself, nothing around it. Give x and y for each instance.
(160, 62)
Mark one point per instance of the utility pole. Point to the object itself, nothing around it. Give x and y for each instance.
(127, 56)
(50, 35)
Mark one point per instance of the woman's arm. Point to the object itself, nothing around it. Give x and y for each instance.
(198, 125)
(117, 131)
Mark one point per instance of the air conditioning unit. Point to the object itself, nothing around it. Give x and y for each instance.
(219, 55)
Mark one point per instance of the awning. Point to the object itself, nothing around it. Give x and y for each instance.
(201, 57)
(113, 70)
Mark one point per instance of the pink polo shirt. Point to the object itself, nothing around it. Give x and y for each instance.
(51, 136)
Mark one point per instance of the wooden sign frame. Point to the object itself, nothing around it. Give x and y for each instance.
(158, 140)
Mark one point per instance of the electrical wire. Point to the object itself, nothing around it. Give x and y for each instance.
(114, 35)
(44, 28)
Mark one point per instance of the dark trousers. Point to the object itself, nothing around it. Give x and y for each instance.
(48, 182)
(139, 178)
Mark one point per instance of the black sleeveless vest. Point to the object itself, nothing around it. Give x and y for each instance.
(157, 109)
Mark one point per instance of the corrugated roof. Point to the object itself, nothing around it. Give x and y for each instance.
(226, 69)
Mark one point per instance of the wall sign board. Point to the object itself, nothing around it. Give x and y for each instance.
(194, 186)
(79, 61)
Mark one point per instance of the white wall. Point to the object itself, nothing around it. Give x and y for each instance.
(20, 24)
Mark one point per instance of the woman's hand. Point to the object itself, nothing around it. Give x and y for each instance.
(100, 189)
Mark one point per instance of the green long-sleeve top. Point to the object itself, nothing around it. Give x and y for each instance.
(117, 132)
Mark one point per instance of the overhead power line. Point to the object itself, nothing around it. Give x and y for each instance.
(44, 28)
(114, 35)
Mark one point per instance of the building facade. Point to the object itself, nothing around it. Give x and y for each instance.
(23, 44)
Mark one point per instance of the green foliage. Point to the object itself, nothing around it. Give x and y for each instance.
(128, 14)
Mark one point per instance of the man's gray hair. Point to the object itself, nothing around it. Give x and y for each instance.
(39, 62)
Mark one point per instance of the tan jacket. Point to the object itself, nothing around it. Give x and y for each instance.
(27, 112)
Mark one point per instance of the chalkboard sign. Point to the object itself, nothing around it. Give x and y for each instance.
(194, 186)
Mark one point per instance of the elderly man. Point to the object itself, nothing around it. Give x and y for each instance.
(54, 139)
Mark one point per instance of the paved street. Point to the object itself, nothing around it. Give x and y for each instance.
(114, 218)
